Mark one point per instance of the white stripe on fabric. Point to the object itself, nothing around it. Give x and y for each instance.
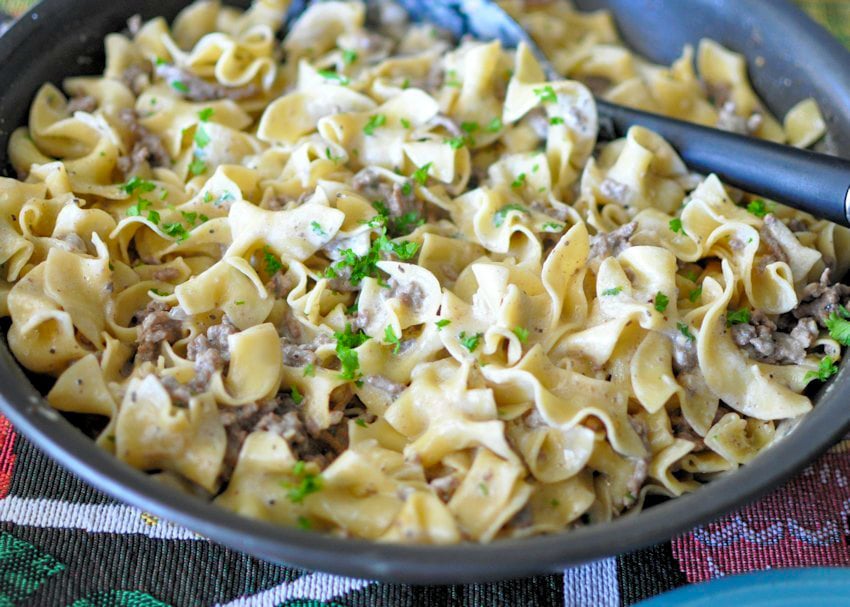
(313, 586)
(592, 585)
(96, 518)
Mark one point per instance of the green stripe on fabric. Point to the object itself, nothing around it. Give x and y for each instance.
(23, 568)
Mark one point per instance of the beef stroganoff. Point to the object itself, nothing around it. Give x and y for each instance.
(375, 282)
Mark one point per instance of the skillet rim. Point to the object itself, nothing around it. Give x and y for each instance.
(462, 563)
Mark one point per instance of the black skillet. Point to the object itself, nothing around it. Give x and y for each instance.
(65, 37)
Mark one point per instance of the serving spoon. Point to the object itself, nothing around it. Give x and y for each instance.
(815, 183)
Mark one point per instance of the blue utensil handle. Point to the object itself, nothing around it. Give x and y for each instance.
(812, 182)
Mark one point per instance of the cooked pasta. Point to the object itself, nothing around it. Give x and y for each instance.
(376, 283)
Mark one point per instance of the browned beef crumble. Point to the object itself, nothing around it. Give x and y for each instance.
(369, 183)
(822, 298)
(763, 341)
(155, 327)
(198, 89)
(612, 243)
(136, 77)
(145, 146)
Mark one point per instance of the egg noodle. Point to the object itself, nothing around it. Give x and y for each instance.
(374, 282)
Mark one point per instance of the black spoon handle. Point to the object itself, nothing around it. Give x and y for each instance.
(812, 182)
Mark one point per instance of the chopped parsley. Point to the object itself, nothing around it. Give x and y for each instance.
(420, 175)
(556, 120)
(197, 167)
(304, 523)
(612, 291)
(695, 294)
(361, 422)
(202, 139)
(159, 293)
(738, 317)
(307, 484)
(482, 487)
(153, 217)
(451, 78)
(405, 122)
(272, 263)
(442, 323)
(179, 86)
(469, 127)
(685, 330)
(839, 327)
(676, 226)
(661, 301)
(317, 228)
(500, 215)
(456, 142)
(138, 208)
(333, 76)
(519, 181)
(375, 121)
(495, 125)
(191, 217)
(176, 230)
(349, 56)
(470, 342)
(405, 84)
(391, 338)
(826, 369)
(521, 333)
(142, 185)
(552, 226)
(546, 94)
(758, 207)
(205, 114)
(346, 342)
(239, 302)
(297, 397)
(407, 188)
(310, 370)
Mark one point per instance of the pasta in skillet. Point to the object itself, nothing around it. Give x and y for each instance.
(375, 283)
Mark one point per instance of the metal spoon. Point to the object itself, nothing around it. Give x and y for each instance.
(816, 183)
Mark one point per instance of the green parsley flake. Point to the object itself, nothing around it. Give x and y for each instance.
(470, 342)
(317, 228)
(661, 301)
(202, 139)
(407, 188)
(346, 342)
(826, 369)
(405, 123)
(205, 114)
(176, 230)
(443, 322)
(179, 86)
(405, 84)
(190, 216)
(349, 56)
(500, 215)
(469, 127)
(142, 185)
(495, 125)
(612, 291)
(521, 333)
(391, 338)
(676, 226)
(308, 483)
(556, 120)
(695, 294)
(361, 422)
(451, 78)
(198, 167)
(240, 302)
(333, 76)
(310, 370)
(420, 175)
(519, 181)
(208, 197)
(272, 263)
(456, 142)
(304, 523)
(163, 195)
(546, 94)
(758, 207)
(551, 226)
(297, 397)
(137, 209)
(685, 330)
(738, 317)
(482, 487)
(375, 121)
(839, 327)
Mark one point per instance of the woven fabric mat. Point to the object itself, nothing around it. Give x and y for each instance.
(63, 543)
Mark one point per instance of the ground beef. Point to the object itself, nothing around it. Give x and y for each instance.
(410, 293)
(210, 352)
(370, 183)
(820, 299)
(298, 355)
(636, 480)
(445, 486)
(144, 146)
(771, 234)
(155, 327)
(612, 243)
(616, 191)
(136, 77)
(281, 284)
(391, 388)
(361, 320)
(198, 89)
(85, 103)
(685, 356)
(283, 417)
(763, 341)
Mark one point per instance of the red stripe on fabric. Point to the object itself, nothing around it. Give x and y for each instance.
(7, 455)
(803, 524)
